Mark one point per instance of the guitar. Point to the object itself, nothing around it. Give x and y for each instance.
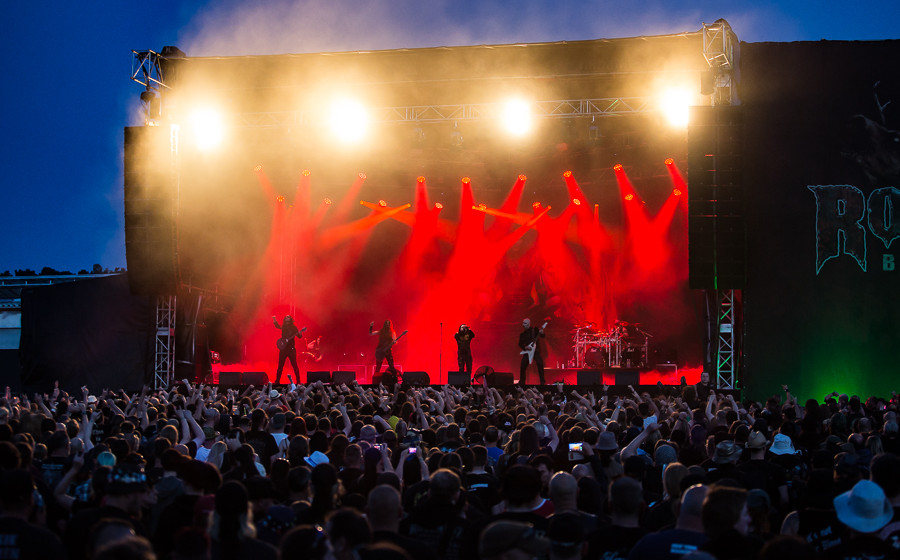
(533, 346)
(283, 343)
(393, 342)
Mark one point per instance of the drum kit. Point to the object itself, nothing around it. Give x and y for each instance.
(623, 345)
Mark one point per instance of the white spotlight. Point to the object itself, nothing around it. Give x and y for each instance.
(674, 104)
(349, 120)
(207, 127)
(517, 117)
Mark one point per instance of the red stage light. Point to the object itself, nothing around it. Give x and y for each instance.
(382, 203)
(362, 175)
(629, 196)
(576, 201)
(482, 206)
(522, 177)
(677, 192)
(466, 180)
(420, 179)
(670, 161)
(438, 205)
(618, 167)
(257, 168)
(535, 205)
(306, 173)
(567, 174)
(327, 200)
(280, 198)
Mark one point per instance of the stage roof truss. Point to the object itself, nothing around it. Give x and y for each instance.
(557, 108)
(719, 44)
(146, 70)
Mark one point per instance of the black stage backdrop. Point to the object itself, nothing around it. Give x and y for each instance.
(822, 162)
(90, 332)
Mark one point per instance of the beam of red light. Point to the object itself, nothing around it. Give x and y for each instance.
(264, 183)
(346, 204)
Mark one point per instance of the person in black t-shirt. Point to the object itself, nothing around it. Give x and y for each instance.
(464, 338)
(286, 347)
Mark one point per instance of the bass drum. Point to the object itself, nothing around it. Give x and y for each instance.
(595, 358)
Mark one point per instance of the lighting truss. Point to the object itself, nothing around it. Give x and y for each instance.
(146, 69)
(164, 364)
(558, 108)
(719, 44)
(726, 354)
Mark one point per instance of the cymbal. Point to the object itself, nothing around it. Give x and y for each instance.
(626, 323)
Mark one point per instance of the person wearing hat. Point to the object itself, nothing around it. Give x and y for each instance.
(865, 510)
(511, 540)
(723, 463)
(759, 473)
(287, 350)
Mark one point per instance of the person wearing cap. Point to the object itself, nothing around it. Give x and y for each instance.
(760, 473)
(865, 510)
(511, 540)
(464, 338)
(287, 350)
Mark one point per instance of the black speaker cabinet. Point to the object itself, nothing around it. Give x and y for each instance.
(340, 377)
(417, 378)
(628, 377)
(458, 378)
(590, 377)
(501, 378)
(257, 378)
(323, 376)
(229, 378)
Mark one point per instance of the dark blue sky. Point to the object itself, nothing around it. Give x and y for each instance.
(66, 92)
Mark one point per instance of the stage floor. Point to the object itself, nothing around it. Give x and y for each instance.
(667, 374)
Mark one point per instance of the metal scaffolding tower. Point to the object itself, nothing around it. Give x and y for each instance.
(164, 364)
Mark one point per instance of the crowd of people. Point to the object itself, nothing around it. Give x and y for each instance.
(318, 471)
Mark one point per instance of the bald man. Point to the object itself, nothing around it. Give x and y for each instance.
(384, 511)
(686, 537)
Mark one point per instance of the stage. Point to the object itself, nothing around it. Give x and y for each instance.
(667, 374)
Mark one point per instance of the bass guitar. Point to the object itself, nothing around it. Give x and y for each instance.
(529, 350)
(393, 342)
(283, 343)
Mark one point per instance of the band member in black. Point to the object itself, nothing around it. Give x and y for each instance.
(286, 348)
(313, 352)
(464, 338)
(386, 340)
(528, 341)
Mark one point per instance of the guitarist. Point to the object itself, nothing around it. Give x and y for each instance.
(528, 340)
(386, 340)
(286, 348)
